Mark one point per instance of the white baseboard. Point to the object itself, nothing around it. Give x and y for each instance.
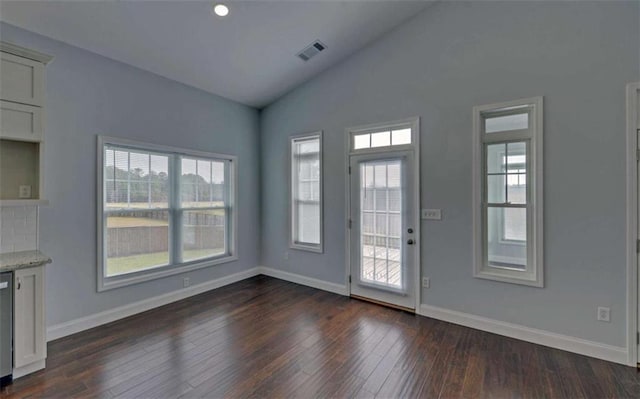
(541, 337)
(108, 316)
(304, 280)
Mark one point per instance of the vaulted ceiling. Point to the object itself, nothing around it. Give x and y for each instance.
(248, 56)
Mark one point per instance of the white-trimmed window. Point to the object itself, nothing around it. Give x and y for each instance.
(162, 211)
(507, 186)
(306, 192)
(384, 137)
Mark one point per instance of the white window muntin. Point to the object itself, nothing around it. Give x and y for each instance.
(492, 265)
(296, 203)
(175, 266)
(520, 181)
(532, 135)
(406, 131)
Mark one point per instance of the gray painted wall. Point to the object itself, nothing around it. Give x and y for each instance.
(437, 66)
(455, 55)
(87, 95)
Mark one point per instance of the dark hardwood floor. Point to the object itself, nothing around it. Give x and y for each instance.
(264, 337)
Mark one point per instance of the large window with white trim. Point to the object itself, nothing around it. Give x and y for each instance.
(161, 211)
(306, 192)
(508, 192)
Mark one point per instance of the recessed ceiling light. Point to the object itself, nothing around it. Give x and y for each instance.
(221, 10)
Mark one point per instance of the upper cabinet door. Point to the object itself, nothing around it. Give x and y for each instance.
(21, 80)
(20, 121)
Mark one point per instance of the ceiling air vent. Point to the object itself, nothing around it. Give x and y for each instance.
(311, 51)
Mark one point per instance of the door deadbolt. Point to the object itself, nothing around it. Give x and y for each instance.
(410, 230)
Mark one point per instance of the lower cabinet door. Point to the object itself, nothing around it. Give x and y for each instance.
(29, 331)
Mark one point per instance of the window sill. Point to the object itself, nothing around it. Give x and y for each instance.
(109, 283)
(509, 276)
(309, 248)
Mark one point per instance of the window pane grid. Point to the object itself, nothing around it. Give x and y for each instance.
(506, 177)
(381, 224)
(204, 210)
(135, 179)
(506, 199)
(306, 191)
(385, 138)
(508, 192)
(146, 225)
(202, 183)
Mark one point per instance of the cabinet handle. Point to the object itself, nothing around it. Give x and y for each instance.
(19, 284)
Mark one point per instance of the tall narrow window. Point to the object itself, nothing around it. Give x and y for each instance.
(162, 211)
(306, 192)
(508, 192)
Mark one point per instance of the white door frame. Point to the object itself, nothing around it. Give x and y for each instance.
(633, 122)
(414, 123)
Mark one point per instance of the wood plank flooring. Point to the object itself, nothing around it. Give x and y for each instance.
(264, 337)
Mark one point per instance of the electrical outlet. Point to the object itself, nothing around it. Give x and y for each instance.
(426, 282)
(186, 282)
(604, 314)
(286, 255)
(24, 192)
(432, 214)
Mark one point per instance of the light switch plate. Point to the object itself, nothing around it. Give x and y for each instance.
(432, 214)
(24, 192)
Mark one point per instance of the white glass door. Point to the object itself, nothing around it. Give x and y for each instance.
(383, 238)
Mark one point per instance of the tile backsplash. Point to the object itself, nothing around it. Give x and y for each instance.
(18, 228)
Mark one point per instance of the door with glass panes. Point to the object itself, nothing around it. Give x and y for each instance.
(383, 239)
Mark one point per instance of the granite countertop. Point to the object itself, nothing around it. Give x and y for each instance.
(21, 260)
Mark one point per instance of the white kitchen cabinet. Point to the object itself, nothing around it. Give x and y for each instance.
(21, 125)
(21, 80)
(20, 121)
(30, 346)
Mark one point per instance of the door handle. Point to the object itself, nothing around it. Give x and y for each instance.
(19, 284)
(410, 241)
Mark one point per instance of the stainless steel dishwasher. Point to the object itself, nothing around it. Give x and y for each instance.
(6, 327)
